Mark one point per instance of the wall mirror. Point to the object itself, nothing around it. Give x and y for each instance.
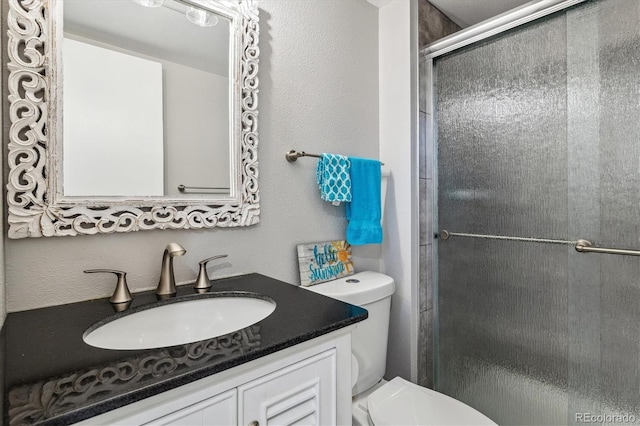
(129, 115)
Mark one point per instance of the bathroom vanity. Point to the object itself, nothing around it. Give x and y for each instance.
(294, 365)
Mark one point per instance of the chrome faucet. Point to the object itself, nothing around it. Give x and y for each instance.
(202, 284)
(121, 298)
(167, 284)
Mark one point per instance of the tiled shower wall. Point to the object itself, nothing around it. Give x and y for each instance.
(433, 25)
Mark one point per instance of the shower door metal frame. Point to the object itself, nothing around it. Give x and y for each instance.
(499, 24)
(504, 22)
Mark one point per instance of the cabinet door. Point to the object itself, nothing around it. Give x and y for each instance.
(218, 410)
(303, 393)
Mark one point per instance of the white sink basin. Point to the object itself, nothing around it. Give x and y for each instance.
(179, 322)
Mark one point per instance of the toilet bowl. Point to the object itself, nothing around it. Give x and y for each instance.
(375, 401)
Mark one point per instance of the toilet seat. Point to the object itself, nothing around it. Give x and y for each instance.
(400, 402)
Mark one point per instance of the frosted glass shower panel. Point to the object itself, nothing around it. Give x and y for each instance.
(502, 150)
(605, 83)
(538, 136)
(501, 109)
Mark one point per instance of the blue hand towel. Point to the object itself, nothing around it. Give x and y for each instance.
(364, 211)
(332, 175)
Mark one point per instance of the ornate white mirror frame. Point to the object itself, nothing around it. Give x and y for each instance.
(36, 204)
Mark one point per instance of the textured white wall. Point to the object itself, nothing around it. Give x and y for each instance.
(399, 254)
(318, 92)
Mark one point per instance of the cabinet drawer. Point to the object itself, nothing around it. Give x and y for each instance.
(303, 393)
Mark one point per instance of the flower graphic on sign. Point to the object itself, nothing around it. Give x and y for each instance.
(343, 249)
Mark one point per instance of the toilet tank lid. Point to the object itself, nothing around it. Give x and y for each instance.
(357, 289)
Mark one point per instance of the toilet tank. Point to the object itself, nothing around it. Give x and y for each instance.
(372, 291)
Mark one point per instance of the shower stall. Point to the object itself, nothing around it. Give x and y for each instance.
(536, 139)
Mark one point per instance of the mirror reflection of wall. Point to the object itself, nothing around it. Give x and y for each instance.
(176, 130)
(101, 159)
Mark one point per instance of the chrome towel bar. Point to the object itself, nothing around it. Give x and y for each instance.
(581, 246)
(445, 235)
(183, 188)
(293, 155)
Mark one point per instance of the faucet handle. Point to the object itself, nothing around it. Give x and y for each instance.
(121, 293)
(202, 283)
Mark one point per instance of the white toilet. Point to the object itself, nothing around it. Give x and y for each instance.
(375, 401)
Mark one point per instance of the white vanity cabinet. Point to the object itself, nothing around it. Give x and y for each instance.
(218, 410)
(303, 393)
(306, 384)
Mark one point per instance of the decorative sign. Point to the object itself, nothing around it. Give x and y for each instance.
(320, 262)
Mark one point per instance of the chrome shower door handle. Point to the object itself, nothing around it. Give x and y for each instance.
(584, 246)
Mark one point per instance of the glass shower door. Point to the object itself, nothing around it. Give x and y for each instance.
(539, 139)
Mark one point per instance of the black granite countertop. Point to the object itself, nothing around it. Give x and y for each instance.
(51, 376)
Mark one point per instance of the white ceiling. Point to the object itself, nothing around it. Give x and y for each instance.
(469, 12)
